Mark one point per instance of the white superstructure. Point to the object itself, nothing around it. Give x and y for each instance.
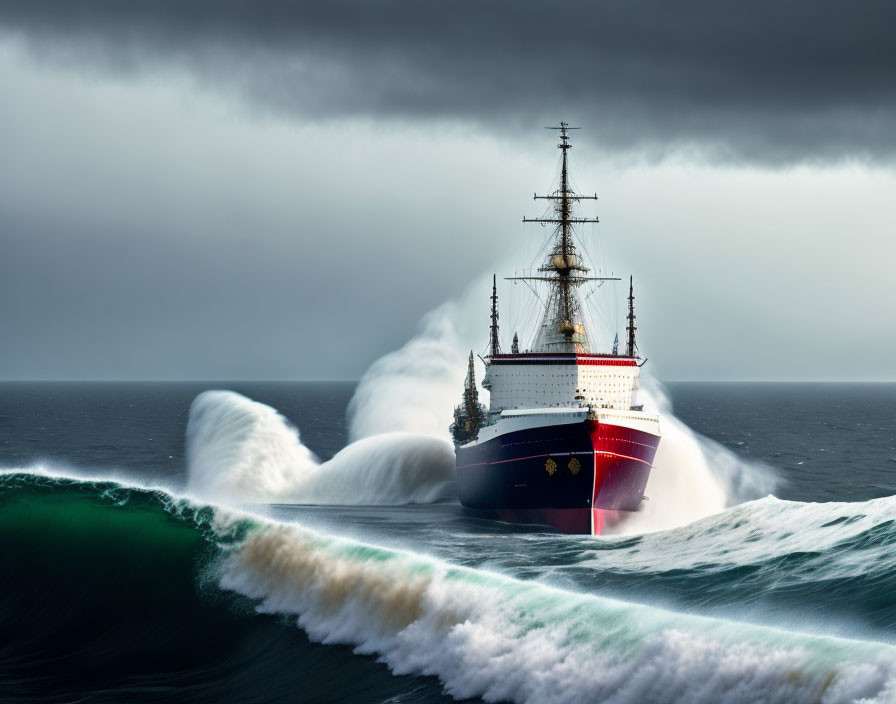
(560, 381)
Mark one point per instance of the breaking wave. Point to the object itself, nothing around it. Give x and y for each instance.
(241, 451)
(482, 634)
(501, 639)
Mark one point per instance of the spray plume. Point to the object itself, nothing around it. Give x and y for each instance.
(241, 450)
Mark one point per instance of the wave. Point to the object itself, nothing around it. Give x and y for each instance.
(501, 639)
(241, 451)
(772, 545)
(482, 634)
(110, 594)
(806, 566)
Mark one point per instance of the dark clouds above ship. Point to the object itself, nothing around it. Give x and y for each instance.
(764, 82)
(219, 189)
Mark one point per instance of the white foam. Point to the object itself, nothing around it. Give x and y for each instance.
(416, 387)
(692, 477)
(241, 451)
(834, 538)
(501, 639)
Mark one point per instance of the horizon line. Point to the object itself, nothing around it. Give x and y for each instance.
(356, 381)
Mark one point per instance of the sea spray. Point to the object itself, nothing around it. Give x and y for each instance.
(502, 639)
(385, 469)
(692, 476)
(241, 451)
(416, 387)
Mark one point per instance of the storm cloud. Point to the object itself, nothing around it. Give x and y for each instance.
(281, 190)
(763, 82)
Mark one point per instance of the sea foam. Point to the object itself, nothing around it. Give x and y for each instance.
(490, 636)
(693, 476)
(242, 451)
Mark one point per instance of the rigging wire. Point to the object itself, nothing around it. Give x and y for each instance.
(526, 318)
(600, 262)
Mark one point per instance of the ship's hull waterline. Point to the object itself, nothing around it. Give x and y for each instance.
(577, 477)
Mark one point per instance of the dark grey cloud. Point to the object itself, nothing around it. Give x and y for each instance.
(280, 190)
(148, 233)
(764, 81)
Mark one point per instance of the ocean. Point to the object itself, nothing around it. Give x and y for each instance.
(141, 561)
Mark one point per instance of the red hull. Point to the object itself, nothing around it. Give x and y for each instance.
(578, 477)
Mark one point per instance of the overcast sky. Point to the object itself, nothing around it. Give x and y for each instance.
(202, 189)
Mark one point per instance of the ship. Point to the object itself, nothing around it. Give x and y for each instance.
(563, 441)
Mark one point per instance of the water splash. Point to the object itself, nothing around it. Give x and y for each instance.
(414, 388)
(693, 476)
(241, 451)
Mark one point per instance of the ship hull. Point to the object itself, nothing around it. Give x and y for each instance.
(578, 477)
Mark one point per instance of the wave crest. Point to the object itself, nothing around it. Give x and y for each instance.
(242, 451)
(501, 639)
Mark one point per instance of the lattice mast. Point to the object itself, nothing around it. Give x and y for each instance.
(564, 263)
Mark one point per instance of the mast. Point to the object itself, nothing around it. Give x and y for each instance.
(565, 245)
(563, 269)
(515, 347)
(631, 348)
(493, 330)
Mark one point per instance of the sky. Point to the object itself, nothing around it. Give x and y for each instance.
(281, 190)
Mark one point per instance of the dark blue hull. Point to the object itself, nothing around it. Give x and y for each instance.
(574, 476)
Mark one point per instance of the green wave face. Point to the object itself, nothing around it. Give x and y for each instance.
(105, 578)
(110, 594)
(123, 594)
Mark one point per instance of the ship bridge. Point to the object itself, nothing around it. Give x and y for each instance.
(560, 380)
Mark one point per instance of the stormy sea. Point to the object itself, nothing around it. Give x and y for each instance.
(297, 542)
